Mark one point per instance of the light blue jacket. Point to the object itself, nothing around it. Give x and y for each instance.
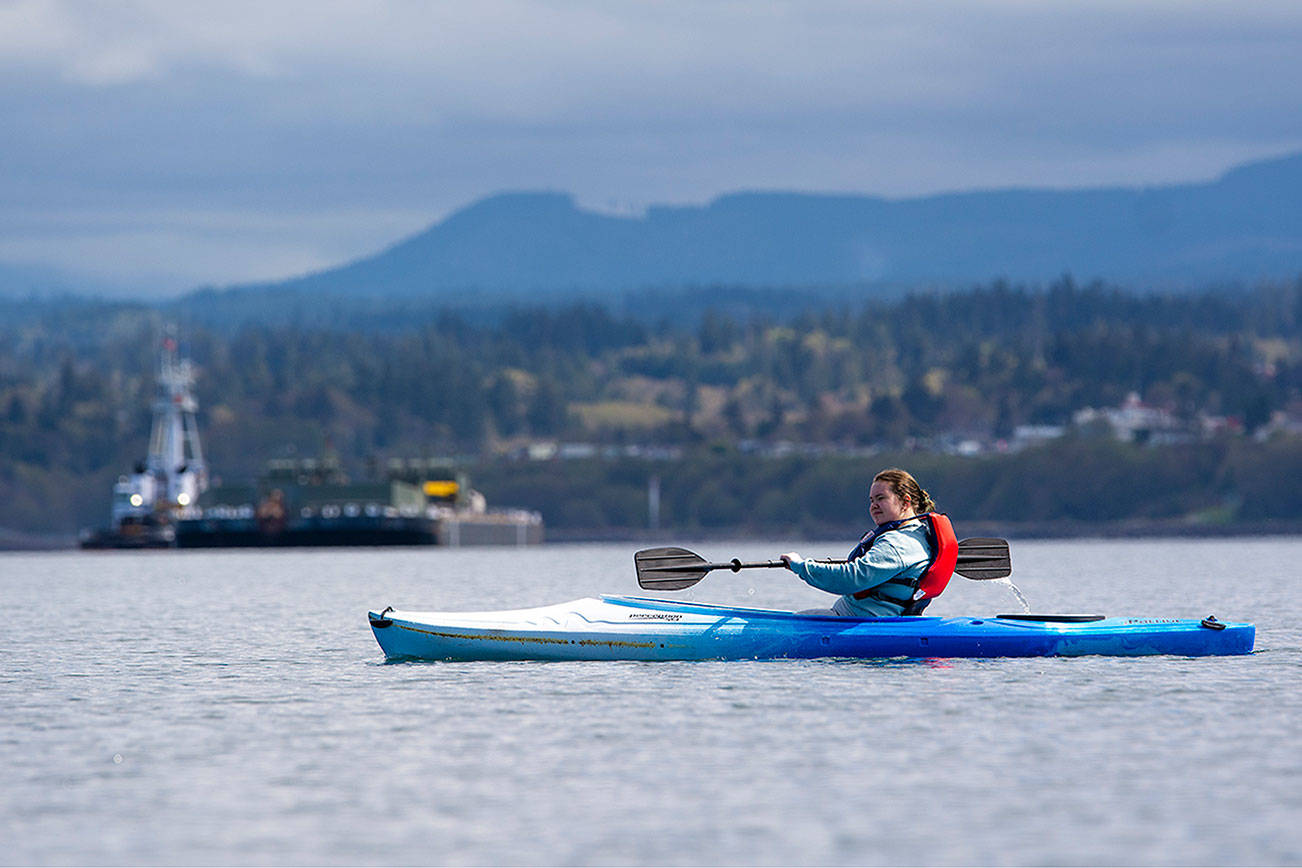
(901, 552)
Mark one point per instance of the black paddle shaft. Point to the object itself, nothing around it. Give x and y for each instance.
(737, 566)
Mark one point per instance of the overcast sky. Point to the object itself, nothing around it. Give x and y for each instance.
(171, 144)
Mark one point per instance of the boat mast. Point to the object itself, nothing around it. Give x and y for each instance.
(175, 453)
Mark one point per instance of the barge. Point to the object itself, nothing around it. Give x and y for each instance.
(167, 502)
(311, 502)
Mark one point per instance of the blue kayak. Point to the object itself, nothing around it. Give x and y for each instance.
(636, 628)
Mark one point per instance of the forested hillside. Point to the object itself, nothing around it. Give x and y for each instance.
(921, 373)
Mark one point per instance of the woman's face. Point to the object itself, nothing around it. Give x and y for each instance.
(885, 505)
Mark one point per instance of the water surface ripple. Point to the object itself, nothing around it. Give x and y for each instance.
(233, 708)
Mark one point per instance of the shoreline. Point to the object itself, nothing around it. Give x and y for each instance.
(22, 541)
(1012, 530)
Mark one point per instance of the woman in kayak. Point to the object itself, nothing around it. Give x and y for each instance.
(883, 570)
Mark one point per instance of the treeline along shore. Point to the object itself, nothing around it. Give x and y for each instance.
(1075, 486)
(1064, 406)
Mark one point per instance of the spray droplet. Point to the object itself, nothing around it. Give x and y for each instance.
(1017, 592)
(750, 592)
(117, 759)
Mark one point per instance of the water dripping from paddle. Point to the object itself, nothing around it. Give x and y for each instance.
(1017, 592)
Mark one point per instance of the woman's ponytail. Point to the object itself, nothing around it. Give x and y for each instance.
(907, 488)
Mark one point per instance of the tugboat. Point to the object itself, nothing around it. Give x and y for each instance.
(166, 486)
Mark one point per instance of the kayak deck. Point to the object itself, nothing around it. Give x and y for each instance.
(636, 628)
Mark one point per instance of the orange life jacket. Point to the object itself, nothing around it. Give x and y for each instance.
(928, 586)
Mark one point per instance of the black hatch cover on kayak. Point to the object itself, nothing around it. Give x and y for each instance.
(1060, 618)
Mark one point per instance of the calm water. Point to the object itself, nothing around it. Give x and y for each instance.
(233, 707)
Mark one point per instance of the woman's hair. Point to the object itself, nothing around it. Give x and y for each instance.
(907, 488)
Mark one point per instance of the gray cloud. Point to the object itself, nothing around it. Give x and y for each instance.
(203, 143)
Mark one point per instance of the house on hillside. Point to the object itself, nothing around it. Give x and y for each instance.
(1137, 422)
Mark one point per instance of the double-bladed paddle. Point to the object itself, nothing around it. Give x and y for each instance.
(672, 569)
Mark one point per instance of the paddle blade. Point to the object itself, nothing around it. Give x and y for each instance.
(984, 558)
(668, 568)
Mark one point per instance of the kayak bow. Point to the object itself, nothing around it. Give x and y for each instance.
(638, 628)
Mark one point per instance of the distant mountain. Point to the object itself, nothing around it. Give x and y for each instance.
(1244, 226)
(26, 281)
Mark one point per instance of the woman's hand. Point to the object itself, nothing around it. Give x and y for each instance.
(791, 558)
